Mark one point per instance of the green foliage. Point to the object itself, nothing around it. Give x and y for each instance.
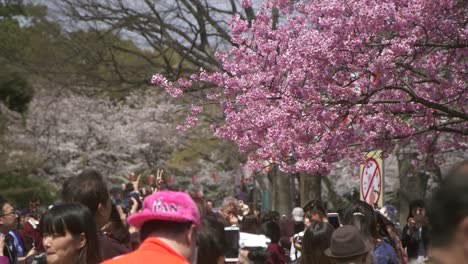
(15, 92)
(199, 147)
(216, 192)
(10, 8)
(195, 150)
(39, 50)
(19, 189)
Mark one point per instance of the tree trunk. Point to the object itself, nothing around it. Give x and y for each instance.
(285, 196)
(311, 188)
(413, 183)
(333, 200)
(281, 196)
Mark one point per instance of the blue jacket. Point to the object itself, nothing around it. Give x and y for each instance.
(385, 254)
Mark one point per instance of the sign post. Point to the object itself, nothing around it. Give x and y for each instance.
(372, 180)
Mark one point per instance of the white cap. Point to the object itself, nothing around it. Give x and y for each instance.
(298, 214)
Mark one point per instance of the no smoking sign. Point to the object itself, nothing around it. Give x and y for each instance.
(371, 180)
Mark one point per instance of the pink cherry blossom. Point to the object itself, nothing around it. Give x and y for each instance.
(337, 78)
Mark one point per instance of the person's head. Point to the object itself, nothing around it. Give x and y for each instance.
(8, 216)
(417, 207)
(227, 201)
(40, 211)
(209, 204)
(201, 204)
(362, 215)
(173, 217)
(448, 217)
(271, 229)
(316, 239)
(249, 224)
(382, 225)
(298, 214)
(89, 188)
(390, 212)
(230, 212)
(347, 245)
(307, 220)
(271, 216)
(69, 235)
(34, 203)
(211, 241)
(315, 210)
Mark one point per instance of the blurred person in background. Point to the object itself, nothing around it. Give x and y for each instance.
(249, 224)
(363, 217)
(209, 205)
(316, 211)
(30, 233)
(448, 217)
(289, 226)
(211, 241)
(230, 211)
(271, 229)
(415, 234)
(316, 240)
(387, 231)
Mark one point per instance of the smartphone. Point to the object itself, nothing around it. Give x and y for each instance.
(232, 240)
(334, 219)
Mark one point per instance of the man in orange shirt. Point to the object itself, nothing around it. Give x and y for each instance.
(168, 225)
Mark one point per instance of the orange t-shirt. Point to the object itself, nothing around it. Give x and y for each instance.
(151, 250)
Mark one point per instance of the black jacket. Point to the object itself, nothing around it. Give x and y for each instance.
(9, 250)
(411, 242)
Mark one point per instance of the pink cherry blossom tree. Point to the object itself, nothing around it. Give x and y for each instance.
(333, 79)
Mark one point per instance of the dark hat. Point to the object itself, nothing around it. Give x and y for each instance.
(346, 242)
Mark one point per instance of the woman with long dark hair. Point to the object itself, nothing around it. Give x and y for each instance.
(362, 215)
(316, 239)
(69, 235)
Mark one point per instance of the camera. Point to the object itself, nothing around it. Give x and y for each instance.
(297, 238)
(126, 203)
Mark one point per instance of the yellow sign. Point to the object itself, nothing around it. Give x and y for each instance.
(371, 180)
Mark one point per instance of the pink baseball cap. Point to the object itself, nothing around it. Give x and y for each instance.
(167, 206)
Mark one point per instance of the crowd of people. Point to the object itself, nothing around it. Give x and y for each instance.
(92, 224)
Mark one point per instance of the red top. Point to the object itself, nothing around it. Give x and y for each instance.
(151, 249)
(277, 255)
